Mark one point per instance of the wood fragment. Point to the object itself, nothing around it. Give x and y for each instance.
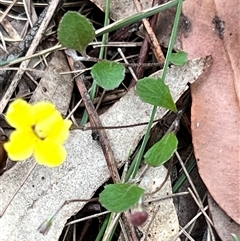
(50, 10)
(20, 50)
(151, 35)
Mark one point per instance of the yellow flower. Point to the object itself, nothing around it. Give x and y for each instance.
(40, 131)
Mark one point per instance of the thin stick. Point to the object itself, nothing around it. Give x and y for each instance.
(151, 221)
(166, 197)
(95, 121)
(124, 232)
(151, 35)
(108, 153)
(200, 206)
(194, 223)
(193, 187)
(7, 10)
(72, 53)
(86, 128)
(74, 109)
(113, 223)
(87, 218)
(144, 51)
(188, 224)
(126, 62)
(25, 69)
(188, 235)
(22, 183)
(50, 11)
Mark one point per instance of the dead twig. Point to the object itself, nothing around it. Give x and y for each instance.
(143, 55)
(95, 122)
(152, 37)
(103, 139)
(44, 24)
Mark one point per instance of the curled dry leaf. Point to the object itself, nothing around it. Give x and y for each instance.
(215, 108)
(222, 222)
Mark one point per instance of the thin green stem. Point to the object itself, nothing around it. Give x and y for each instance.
(111, 227)
(183, 177)
(172, 39)
(103, 228)
(235, 237)
(143, 146)
(101, 55)
(165, 68)
(135, 18)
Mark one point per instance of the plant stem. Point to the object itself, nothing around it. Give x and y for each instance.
(135, 18)
(101, 55)
(103, 228)
(165, 68)
(183, 177)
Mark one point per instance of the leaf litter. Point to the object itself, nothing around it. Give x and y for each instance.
(215, 107)
(40, 195)
(85, 169)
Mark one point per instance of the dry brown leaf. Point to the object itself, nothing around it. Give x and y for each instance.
(85, 169)
(215, 109)
(55, 87)
(224, 224)
(121, 9)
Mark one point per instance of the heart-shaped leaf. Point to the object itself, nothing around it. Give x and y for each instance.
(75, 31)
(108, 74)
(179, 58)
(120, 197)
(155, 92)
(162, 151)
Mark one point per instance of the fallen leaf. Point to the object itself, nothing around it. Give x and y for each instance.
(121, 9)
(55, 87)
(222, 222)
(215, 107)
(85, 169)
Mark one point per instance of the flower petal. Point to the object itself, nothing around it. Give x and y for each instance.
(63, 135)
(45, 127)
(60, 133)
(20, 114)
(21, 144)
(49, 154)
(43, 110)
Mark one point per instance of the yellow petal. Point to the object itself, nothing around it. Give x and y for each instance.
(49, 154)
(50, 123)
(60, 133)
(43, 110)
(21, 144)
(20, 114)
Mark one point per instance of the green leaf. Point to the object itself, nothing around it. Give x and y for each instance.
(162, 151)
(75, 31)
(179, 58)
(155, 92)
(120, 197)
(108, 74)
